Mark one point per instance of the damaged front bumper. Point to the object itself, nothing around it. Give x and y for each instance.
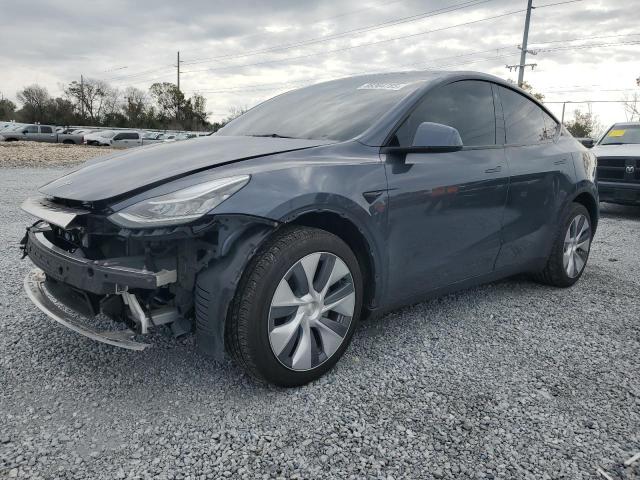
(34, 285)
(101, 277)
(71, 290)
(140, 278)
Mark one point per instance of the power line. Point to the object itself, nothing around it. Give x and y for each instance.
(326, 38)
(378, 42)
(341, 15)
(352, 47)
(153, 70)
(343, 48)
(587, 38)
(278, 84)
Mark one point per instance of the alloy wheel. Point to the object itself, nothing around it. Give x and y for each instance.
(311, 311)
(577, 243)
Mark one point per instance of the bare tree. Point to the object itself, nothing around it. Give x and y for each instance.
(136, 106)
(235, 112)
(169, 99)
(90, 97)
(632, 107)
(35, 100)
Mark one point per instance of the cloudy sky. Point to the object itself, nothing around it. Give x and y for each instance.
(242, 52)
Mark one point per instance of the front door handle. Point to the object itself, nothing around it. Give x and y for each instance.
(497, 169)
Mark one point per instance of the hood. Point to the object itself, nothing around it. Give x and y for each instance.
(141, 167)
(629, 150)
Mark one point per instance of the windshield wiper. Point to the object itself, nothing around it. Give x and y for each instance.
(271, 135)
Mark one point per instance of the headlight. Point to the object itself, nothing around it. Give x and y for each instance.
(181, 206)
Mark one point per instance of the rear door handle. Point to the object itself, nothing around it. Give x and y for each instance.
(497, 169)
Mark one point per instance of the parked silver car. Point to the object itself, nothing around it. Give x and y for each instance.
(40, 133)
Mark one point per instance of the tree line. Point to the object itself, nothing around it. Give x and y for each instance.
(96, 103)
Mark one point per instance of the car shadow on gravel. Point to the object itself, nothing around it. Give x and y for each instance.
(625, 212)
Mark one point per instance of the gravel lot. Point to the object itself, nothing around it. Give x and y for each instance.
(36, 154)
(509, 380)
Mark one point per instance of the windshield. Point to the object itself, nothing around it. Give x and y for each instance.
(338, 110)
(622, 135)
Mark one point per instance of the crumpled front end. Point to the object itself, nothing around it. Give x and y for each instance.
(86, 267)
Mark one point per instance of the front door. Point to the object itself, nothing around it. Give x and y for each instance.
(445, 209)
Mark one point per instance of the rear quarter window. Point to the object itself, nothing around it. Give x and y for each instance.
(526, 123)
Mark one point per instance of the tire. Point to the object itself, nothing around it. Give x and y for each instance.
(253, 333)
(68, 142)
(557, 272)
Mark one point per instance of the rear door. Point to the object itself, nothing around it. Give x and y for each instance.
(47, 134)
(445, 209)
(127, 139)
(542, 177)
(124, 139)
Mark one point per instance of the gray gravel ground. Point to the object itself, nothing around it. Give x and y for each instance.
(509, 380)
(47, 155)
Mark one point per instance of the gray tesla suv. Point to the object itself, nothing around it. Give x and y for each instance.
(272, 238)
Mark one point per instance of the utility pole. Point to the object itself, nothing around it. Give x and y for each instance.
(82, 97)
(524, 48)
(178, 66)
(525, 42)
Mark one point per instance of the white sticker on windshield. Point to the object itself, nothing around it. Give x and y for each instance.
(383, 86)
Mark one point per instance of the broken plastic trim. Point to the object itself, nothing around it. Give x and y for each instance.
(34, 286)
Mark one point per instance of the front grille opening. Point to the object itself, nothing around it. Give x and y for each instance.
(610, 173)
(612, 162)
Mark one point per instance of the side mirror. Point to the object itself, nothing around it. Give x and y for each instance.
(438, 137)
(587, 142)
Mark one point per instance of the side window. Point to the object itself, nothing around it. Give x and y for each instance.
(46, 130)
(32, 129)
(466, 106)
(526, 122)
(129, 136)
(550, 125)
(119, 136)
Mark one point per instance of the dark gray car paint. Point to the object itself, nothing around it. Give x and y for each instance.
(141, 168)
(432, 221)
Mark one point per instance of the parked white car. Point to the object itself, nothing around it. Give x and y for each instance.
(100, 138)
(127, 139)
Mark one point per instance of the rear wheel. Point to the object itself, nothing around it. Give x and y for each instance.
(571, 249)
(296, 307)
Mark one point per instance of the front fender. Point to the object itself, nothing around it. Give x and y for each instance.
(239, 239)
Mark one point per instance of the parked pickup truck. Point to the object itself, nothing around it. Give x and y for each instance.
(618, 153)
(40, 133)
(121, 139)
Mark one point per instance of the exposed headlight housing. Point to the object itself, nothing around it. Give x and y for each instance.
(181, 206)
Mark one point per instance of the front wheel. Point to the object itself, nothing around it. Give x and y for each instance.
(296, 307)
(571, 249)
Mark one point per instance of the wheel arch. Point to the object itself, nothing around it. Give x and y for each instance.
(356, 238)
(587, 200)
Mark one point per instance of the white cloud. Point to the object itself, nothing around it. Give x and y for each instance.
(53, 43)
